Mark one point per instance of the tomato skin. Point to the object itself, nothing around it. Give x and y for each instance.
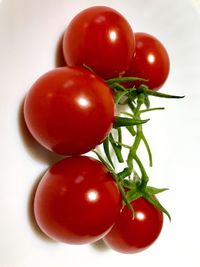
(151, 61)
(69, 110)
(77, 201)
(101, 38)
(133, 235)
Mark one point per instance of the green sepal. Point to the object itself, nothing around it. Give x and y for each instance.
(132, 195)
(129, 184)
(146, 101)
(125, 199)
(107, 151)
(146, 90)
(154, 190)
(119, 96)
(117, 148)
(123, 122)
(151, 109)
(119, 132)
(154, 201)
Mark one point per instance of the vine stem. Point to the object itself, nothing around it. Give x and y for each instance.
(128, 178)
(133, 150)
(144, 178)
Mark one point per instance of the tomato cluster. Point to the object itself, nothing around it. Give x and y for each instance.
(70, 110)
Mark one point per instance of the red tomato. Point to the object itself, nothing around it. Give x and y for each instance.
(101, 38)
(130, 235)
(77, 201)
(69, 110)
(150, 61)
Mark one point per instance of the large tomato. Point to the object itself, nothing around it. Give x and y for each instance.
(101, 38)
(69, 110)
(77, 201)
(150, 61)
(130, 235)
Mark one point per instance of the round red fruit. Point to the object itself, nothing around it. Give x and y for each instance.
(77, 201)
(150, 62)
(131, 235)
(69, 110)
(101, 38)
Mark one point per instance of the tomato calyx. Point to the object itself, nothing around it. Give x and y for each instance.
(124, 121)
(133, 178)
(134, 190)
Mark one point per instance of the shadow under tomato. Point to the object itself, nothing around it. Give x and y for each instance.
(59, 57)
(34, 149)
(30, 212)
(100, 246)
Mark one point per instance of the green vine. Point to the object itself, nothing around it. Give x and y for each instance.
(131, 184)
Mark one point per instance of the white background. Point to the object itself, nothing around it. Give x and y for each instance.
(30, 33)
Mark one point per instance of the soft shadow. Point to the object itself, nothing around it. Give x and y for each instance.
(31, 217)
(100, 245)
(59, 57)
(34, 149)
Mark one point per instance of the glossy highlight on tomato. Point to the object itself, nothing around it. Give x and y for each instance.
(131, 235)
(151, 61)
(69, 110)
(101, 38)
(77, 201)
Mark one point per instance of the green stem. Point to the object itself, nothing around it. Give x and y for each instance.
(107, 151)
(123, 145)
(144, 178)
(133, 150)
(148, 150)
(134, 97)
(125, 173)
(151, 109)
(137, 137)
(131, 130)
(116, 148)
(131, 106)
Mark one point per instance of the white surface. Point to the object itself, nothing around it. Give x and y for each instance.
(29, 36)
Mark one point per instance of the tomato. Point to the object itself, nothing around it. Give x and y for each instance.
(69, 110)
(77, 201)
(130, 235)
(151, 61)
(101, 38)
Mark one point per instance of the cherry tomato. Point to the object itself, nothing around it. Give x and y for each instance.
(150, 61)
(69, 110)
(101, 38)
(77, 201)
(130, 235)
